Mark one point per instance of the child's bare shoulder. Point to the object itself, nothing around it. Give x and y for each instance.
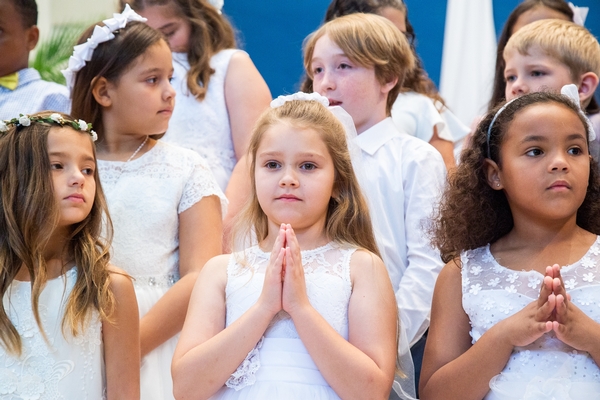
(365, 262)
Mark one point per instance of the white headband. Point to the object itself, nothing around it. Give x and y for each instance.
(83, 52)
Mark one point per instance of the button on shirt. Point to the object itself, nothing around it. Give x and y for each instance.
(33, 95)
(402, 178)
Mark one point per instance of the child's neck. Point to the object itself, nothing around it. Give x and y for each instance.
(119, 146)
(54, 256)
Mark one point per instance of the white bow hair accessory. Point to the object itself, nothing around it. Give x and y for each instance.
(572, 93)
(579, 13)
(83, 52)
(218, 4)
(281, 100)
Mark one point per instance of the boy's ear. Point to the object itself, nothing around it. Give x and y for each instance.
(33, 35)
(587, 86)
(493, 174)
(100, 91)
(386, 87)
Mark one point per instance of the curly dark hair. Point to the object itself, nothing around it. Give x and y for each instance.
(471, 214)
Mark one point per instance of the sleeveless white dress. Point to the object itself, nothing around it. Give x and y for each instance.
(279, 367)
(65, 367)
(203, 126)
(547, 368)
(145, 197)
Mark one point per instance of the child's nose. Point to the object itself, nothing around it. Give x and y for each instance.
(327, 82)
(77, 178)
(519, 87)
(289, 178)
(559, 162)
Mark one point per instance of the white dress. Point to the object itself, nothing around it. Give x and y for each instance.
(65, 367)
(279, 367)
(203, 126)
(547, 368)
(145, 197)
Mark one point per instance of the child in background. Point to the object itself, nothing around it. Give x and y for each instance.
(68, 325)
(164, 202)
(550, 53)
(220, 93)
(419, 110)
(309, 312)
(524, 197)
(21, 89)
(358, 62)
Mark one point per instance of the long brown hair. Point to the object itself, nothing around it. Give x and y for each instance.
(471, 213)
(210, 33)
(110, 60)
(29, 215)
(370, 41)
(348, 220)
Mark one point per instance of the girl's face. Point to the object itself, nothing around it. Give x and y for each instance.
(294, 177)
(395, 16)
(142, 98)
(171, 23)
(72, 164)
(345, 83)
(544, 163)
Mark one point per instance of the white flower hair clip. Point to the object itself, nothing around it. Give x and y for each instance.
(26, 120)
(572, 92)
(218, 4)
(579, 13)
(83, 52)
(281, 100)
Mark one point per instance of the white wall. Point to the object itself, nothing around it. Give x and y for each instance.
(54, 12)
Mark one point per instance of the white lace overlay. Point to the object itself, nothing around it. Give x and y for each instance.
(328, 285)
(203, 126)
(144, 199)
(66, 367)
(547, 368)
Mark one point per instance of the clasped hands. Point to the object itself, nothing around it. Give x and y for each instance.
(284, 287)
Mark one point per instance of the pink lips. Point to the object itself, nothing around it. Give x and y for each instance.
(334, 102)
(77, 198)
(288, 197)
(560, 185)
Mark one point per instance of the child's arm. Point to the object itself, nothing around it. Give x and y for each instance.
(572, 325)
(199, 240)
(121, 338)
(363, 366)
(208, 353)
(453, 368)
(445, 147)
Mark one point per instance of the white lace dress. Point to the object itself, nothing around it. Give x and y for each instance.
(203, 126)
(547, 368)
(145, 197)
(279, 367)
(65, 367)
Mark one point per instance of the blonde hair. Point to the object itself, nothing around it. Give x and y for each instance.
(29, 215)
(370, 41)
(348, 219)
(570, 44)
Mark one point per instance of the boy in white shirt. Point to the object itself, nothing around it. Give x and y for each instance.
(358, 62)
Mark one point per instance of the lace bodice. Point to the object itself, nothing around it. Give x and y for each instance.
(145, 197)
(492, 293)
(66, 367)
(203, 126)
(328, 285)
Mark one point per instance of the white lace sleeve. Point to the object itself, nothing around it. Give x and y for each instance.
(201, 183)
(244, 375)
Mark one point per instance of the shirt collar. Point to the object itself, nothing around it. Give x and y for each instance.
(376, 136)
(27, 75)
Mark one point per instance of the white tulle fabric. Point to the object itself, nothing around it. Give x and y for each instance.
(145, 197)
(279, 367)
(547, 368)
(65, 367)
(203, 126)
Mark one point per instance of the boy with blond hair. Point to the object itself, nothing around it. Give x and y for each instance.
(551, 53)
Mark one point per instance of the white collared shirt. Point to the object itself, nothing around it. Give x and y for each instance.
(402, 178)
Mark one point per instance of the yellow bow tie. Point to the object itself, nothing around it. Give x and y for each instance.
(10, 81)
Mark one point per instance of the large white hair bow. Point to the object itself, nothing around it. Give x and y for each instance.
(83, 52)
(579, 13)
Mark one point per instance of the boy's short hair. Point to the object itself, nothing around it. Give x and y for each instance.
(370, 41)
(28, 11)
(571, 44)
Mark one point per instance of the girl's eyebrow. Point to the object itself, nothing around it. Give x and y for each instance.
(63, 154)
(167, 25)
(540, 138)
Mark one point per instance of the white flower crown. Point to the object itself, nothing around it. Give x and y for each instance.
(26, 120)
(281, 100)
(83, 52)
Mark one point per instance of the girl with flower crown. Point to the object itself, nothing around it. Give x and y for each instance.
(220, 93)
(164, 202)
(309, 311)
(68, 325)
